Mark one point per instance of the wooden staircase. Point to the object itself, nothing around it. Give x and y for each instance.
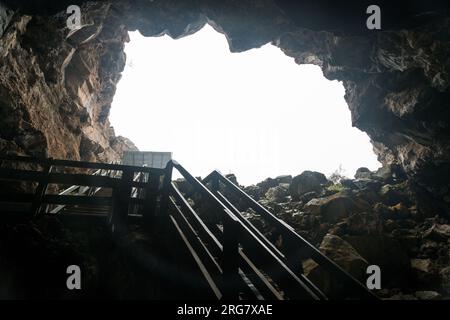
(217, 254)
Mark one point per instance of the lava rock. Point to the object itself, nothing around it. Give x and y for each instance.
(334, 208)
(445, 280)
(438, 232)
(284, 179)
(393, 194)
(363, 173)
(390, 173)
(344, 255)
(385, 252)
(232, 178)
(307, 181)
(277, 194)
(428, 295)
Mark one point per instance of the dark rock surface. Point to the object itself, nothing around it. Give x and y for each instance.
(356, 224)
(307, 181)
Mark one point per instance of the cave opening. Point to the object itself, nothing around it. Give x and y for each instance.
(56, 89)
(255, 113)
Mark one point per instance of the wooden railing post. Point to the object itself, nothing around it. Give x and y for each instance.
(151, 193)
(230, 257)
(41, 189)
(121, 201)
(164, 206)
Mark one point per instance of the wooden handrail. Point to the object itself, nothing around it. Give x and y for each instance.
(86, 185)
(238, 233)
(79, 164)
(296, 241)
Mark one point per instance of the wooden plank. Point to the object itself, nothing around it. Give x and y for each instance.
(107, 166)
(261, 283)
(121, 202)
(150, 200)
(230, 257)
(197, 259)
(208, 261)
(76, 200)
(206, 234)
(40, 191)
(81, 164)
(83, 180)
(166, 188)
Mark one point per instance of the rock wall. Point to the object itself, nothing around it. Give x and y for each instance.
(55, 91)
(56, 88)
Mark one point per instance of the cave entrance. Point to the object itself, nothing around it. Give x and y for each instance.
(255, 114)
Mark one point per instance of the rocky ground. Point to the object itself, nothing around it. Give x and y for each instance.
(377, 218)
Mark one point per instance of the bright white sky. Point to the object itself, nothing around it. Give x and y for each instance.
(256, 114)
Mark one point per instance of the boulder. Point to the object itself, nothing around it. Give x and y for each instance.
(438, 232)
(277, 194)
(428, 295)
(390, 173)
(367, 184)
(363, 173)
(393, 194)
(385, 252)
(400, 211)
(306, 182)
(254, 191)
(267, 184)
(305, 198)
(425, 274)
(358, 224)
(232, 178)
(445, 280)
(334, 208)
(348, 183)
(345, 256)
(284, 179)
(429, 249)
